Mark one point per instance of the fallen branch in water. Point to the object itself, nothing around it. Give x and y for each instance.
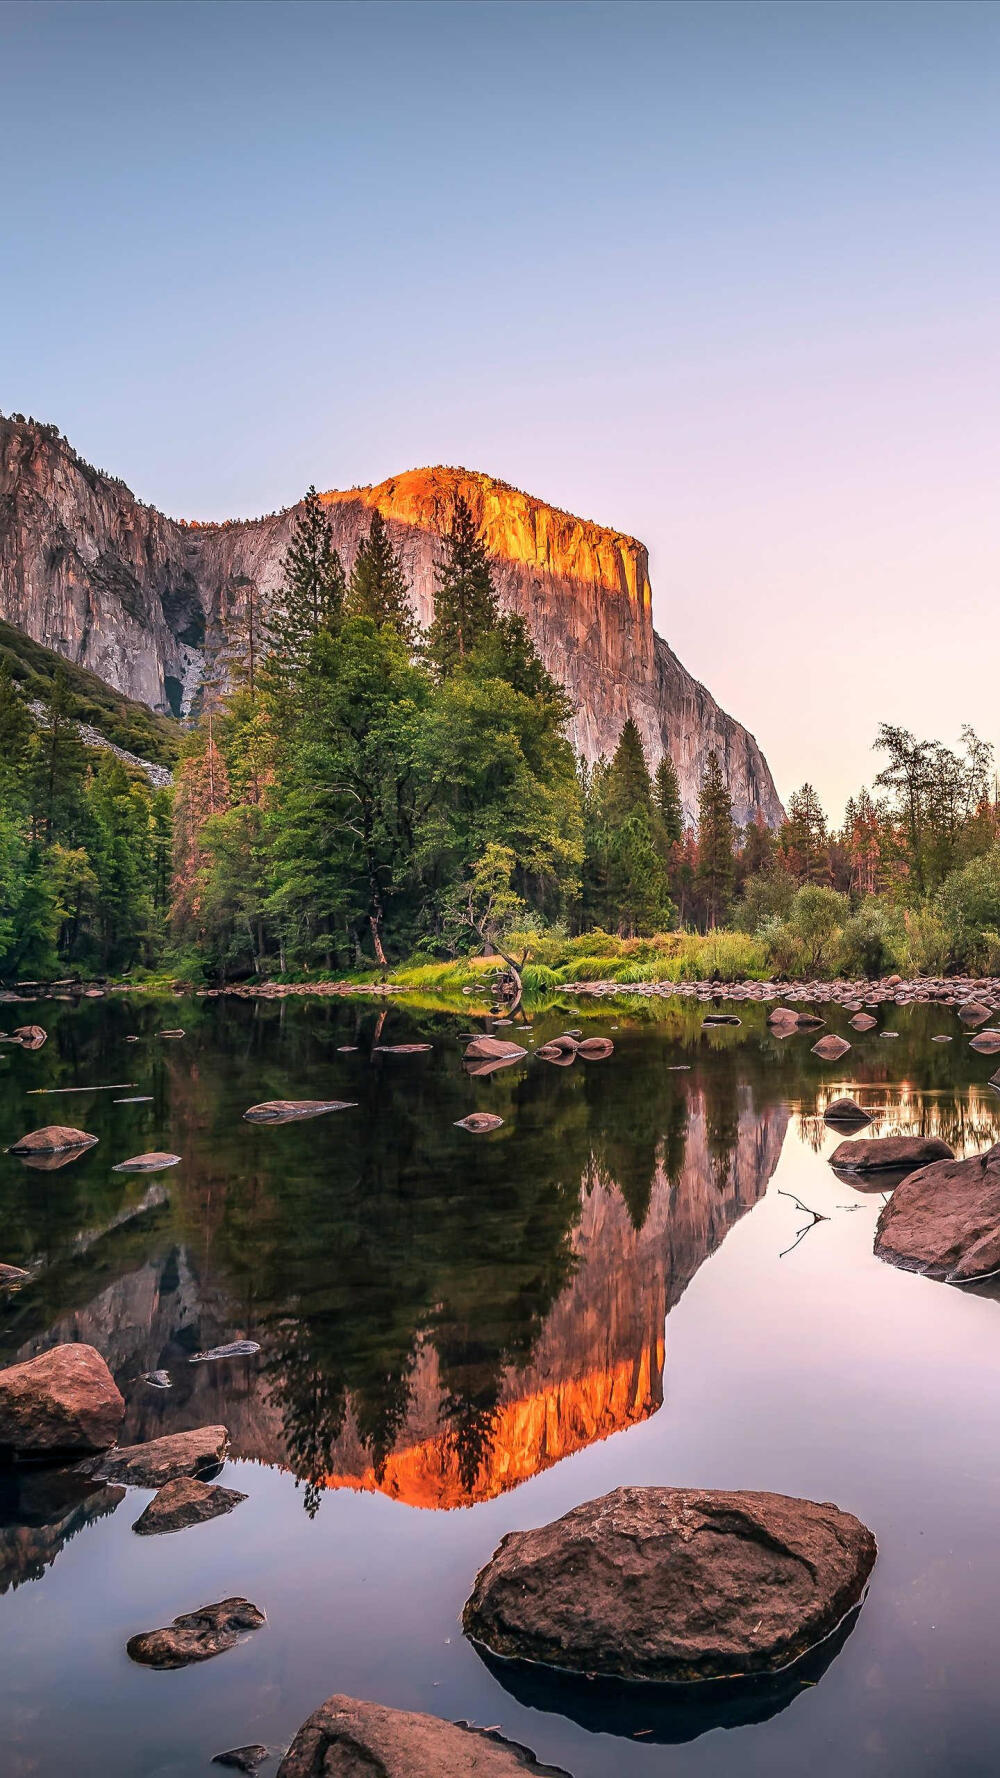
(816, 1215)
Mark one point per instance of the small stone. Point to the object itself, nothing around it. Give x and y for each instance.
(846, 1111)
(183, 1502)
(721, 1018)
(197, 1635)
(401, 1049)
(287, 1111)
(30, 1037)
(170, 1034)
(986, 1043)
(235, 1349)
(596, 1049)
(554, 1052)
(242, 1759)
(158, 1379)
(830, 1048)
(479, 1123)
(154, 1162)
(863, 1021)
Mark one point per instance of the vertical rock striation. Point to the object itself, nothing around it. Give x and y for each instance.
(147, 602)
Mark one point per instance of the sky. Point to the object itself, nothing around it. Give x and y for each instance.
(723, 276)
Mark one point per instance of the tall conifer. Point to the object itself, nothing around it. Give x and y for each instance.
(465, 600)
(716, 839)
(667, 797)
(312, 594)
(378, 587)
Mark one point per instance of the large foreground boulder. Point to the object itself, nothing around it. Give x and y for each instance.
(673, 1586)
(161, 1460)
(944, 1220)
(196, 1635)
(63, 1403)
(889, 1154)
(346, 1738)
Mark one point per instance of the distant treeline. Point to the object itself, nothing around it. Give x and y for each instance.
(368, 792)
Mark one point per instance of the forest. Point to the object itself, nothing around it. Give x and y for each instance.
(363, 796)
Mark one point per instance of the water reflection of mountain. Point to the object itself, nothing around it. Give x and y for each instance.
(439, 1373)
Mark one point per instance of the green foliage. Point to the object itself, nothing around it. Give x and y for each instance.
(311, 598)
(716, 843)
(625, 876)
(465, 602)
(969, 903)
(33, 669)
(667, 797)
(807, 941)
(378, 587)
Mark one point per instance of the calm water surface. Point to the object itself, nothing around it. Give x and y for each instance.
(463, 1335)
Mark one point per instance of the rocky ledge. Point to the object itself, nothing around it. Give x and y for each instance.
(673, 1586)
(346, 1738)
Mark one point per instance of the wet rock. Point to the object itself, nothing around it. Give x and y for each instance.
(30, 1037)
(721, 1018)
(196, 1635)
(830, 1048)
(62, 1403)
(235, 1349)
(242, 1759)
(154, 1162)
(287, 1111)
(479, 1123)
(12, 1277)
(863, 1021)
(493, 1049)
(53, 1139)
(401, 1049)
(568, 1042)
(783, 1015)
(940, 1038)
(557, 1053)
(673, 1585)
(158, 1379)
(161, 1460)
(809, 1021)
(183, 1502)
(944, 1220)
(846, 1111)
(596, 1049)
(987, 1043)
(973, 1013)
(346, 1738)
(873, 1154)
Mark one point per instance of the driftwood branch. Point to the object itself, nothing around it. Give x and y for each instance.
(815, 1216)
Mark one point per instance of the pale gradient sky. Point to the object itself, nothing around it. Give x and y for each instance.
(725, 276)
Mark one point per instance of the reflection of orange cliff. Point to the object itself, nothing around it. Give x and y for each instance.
(598, 1364)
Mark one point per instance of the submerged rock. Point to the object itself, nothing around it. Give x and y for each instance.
(242, 1759)
(53, 1139)
(347, 1738)
(944, 1220)
(831, 1048)
(183, 1502)
(62, 1403)
(153, 1162)
(872, 1154)
(673, 1586)
(479, 1123)
(235, 1349)
(163, 1459)
(196, 1635)
(846, 1111)
(286, 1111)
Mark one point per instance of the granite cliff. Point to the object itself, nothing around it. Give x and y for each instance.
(149, 602)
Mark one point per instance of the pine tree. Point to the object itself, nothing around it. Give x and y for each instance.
(667, 797)
(378, 587)
(465, 600)
(629, 786)
(804, 838)
(716, 862)
(312, 594)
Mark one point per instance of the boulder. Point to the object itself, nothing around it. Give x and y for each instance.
(673, 1586)
(479, 1123)
(346, 1738)
(53, 1139)
(163, 1459)
(846, 1111)
(986, 1043)
(944, 1220)
(783, 1015)
(153, 1162)
(493, 1049)
(863, 1021)
(62, 1403)
(30, 1037)
(287, 1111)
(183, 1502)
(197, 1635)
(595, 1049)
(831, 1048)
(873, 1154)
